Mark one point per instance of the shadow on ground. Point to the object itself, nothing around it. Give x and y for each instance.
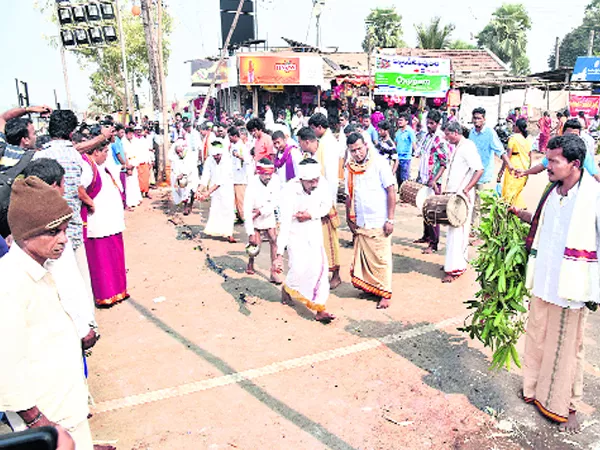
(455, 368)
(406, 264)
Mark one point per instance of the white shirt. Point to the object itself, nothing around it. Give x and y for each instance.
(109, 216)
(72, 290)
(293, 200)
(464, 162)
(241, 167)
(269, 120)
(265, 199)
(331, 156)
(41, 355)
(590, 144)
(370, 195)
(554, 230)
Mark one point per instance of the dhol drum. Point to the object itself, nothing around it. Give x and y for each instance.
(415, 193)
(448, 209)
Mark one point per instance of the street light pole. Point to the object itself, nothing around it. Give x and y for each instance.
(124, 57)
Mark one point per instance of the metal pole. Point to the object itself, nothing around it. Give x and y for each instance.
(124, 57)
(19, 98)
(500, 102)
(590, 50)
(319, 31)
(224, 51)
(163, 90)
(66, 76)
(557, 53)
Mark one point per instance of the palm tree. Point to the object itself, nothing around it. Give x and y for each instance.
(433, 35)
(506, 36)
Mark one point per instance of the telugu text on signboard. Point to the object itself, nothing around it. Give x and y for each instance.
(412, 76)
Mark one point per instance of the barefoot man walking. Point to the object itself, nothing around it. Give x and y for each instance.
(370, 205)
(304, 201)
(563, 276)
(260, 203)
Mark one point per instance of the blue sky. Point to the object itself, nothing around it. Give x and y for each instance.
(197, 33)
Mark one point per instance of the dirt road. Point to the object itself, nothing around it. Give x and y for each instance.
(221, 364)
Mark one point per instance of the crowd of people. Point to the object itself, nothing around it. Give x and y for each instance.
(281, 177)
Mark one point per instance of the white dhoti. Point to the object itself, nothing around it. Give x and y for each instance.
(132, 189)
(457, 246)
(307, 280)
(221, 215)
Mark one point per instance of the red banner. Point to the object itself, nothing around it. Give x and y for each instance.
(589, 104)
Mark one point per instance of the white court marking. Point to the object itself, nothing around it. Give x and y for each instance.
(226, 380)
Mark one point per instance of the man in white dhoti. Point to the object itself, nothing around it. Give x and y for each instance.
(260, 203)
(304, 201)
(217, 183)
(184, 176)
(464, 170)
(133, 194)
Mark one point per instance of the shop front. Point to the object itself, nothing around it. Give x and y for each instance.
(279, 80)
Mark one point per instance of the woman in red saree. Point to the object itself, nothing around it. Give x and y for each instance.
(104, 222)
(545, 126)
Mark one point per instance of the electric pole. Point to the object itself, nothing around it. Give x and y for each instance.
(590, 50)
(163, 89)
(147, 20)
(124, 57)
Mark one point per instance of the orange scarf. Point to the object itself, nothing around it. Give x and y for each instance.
(354, 169)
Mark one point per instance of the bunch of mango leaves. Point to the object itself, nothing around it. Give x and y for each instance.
(498, 319)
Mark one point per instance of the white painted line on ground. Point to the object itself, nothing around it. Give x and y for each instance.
(226, 380)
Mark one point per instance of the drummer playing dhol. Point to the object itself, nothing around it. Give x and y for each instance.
(433, 153)
(464, 171)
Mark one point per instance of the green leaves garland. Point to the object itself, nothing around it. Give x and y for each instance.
(498, 320)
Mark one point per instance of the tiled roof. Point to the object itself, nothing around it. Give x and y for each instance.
(463, 61)
(468, 66)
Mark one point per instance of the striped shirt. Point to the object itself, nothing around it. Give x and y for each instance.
(10, 154)
(70, 159)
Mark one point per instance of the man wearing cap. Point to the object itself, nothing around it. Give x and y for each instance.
(325, 153)
(217, 184)
(260, 203)
(307, 199)
(42, 379)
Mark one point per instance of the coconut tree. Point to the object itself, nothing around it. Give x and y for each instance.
(433, 35)
(506, 36)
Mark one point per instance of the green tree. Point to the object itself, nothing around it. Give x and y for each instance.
(461, 45)
(384, 29)
(575, 42)
(433, 35)
(506, 36)
(107, 81)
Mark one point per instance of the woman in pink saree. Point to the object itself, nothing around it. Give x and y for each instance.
(545, 126)
(104, 223)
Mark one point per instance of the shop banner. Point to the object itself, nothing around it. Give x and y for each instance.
(412, 76)
(586, 69)
(589, 104)
(269, 70)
